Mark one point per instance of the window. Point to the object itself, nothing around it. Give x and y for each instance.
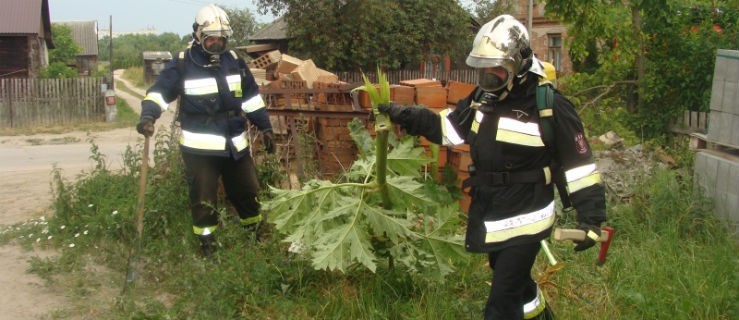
(555, 50)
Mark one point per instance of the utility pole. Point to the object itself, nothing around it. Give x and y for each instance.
(110, 48)
(530, 15)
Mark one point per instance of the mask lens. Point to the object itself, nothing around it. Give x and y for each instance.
(493, 79)
(214, 45)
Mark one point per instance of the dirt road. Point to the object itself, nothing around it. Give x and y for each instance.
(26, 163)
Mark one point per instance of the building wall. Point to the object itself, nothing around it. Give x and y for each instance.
(13, 57)
(543, 34)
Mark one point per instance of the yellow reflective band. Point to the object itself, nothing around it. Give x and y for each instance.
(580, 172)
(202, 141)
(519, 138)
(583, 183)
(234, 82)
(204, 231)
(522, 224)
(449, 135)
(240, 142)
(253, 104)
(592, 235)
(251, 220)
(543, 113)
(476, 123)
(534, 307)
(518, 132)
(547, 175)
(157, 98)
(200, 87)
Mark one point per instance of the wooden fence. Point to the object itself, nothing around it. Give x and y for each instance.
(47, 102)
(690, 122)
(394, 77)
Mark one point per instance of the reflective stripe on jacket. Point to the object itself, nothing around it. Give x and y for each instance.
(509, 140)
(212, 102)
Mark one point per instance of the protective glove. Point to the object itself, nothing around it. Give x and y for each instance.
(268, 141)
(146, 126)
(393, 111)
(592, 235)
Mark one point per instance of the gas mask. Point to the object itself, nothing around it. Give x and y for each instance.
(487, 102)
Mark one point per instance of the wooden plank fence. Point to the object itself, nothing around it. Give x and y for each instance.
(395, 76)
(690, 122)
(26, 102)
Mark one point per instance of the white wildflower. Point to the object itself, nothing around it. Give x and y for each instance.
(296, 247)
(62, 227)
(90, 205)
(38, 239)
(115, 212)
(76, 234)
(85, 233)
(71, 245)
(49, 237)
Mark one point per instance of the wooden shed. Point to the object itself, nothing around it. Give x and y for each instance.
(154, 62)
(25, 37)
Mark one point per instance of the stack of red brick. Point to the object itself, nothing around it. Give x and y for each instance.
(275, 70)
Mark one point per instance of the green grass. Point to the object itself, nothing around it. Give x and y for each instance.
(670, 259)
(135, 75)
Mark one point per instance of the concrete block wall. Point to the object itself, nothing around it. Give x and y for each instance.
(717, 170)
(723, 125)
(718, 175)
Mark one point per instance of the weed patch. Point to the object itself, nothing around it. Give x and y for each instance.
(671, 258)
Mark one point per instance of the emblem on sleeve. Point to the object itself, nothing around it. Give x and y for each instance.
(581, 145)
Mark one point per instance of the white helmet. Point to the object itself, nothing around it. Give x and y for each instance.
(212, 29)
(501, 51)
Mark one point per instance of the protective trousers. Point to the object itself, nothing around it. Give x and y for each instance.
(512, 286)
(240, 183)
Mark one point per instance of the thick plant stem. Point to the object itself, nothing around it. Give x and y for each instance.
(382, 127)
(435, 164)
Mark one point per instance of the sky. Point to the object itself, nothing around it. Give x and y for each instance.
(134, 15)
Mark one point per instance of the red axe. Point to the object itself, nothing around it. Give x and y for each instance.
(606, 235)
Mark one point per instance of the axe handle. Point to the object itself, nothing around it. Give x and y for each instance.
(577, 235)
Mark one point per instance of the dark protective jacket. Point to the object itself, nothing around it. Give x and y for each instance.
(212, 101)
(513, 197)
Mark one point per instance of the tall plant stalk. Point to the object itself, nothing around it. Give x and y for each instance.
(378, 95)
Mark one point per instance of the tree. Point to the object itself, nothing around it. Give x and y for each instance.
(243, 24)
(486, 10)
(63, 55)
(127, 48)
(351, 35)
(659, 47)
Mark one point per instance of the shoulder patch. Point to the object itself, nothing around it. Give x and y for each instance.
(581, 145)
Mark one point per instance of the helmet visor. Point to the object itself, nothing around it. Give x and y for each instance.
(493, 79)
(214, 44)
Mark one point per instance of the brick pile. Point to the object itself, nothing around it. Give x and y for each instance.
(304, 86)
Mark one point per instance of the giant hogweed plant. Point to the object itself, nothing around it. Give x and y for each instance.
(381, 210)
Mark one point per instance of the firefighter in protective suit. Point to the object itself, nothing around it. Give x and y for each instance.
(215, 88)
(513, 205)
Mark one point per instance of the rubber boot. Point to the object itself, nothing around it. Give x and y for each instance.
(208, 246)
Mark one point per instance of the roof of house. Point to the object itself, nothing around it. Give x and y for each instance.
(277, 30)
(27, 17)
(85, 34)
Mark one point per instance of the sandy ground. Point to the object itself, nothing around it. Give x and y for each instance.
(26, 163)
